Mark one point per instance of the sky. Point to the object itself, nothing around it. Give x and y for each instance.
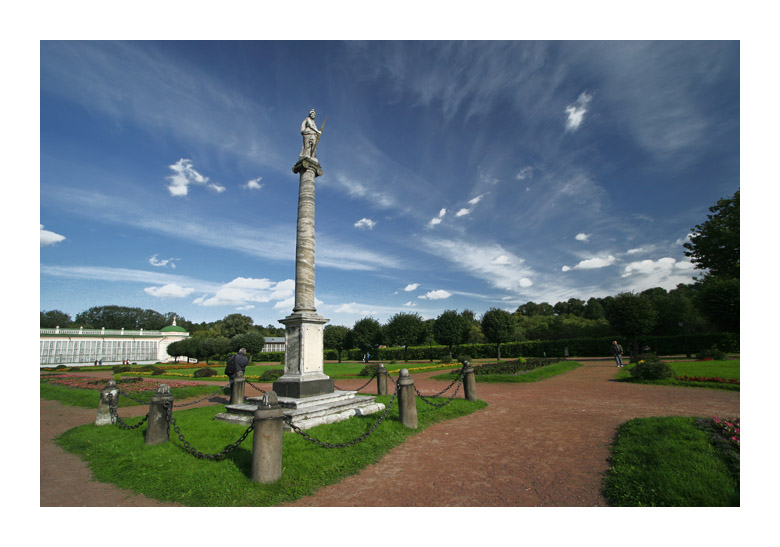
(456, 174)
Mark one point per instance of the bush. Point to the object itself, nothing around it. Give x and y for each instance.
(650, 367)
(204, 373)
(514, 367)
(271, 375)
(121, 368)
(156, 371)
(369, 370)
(712, 353)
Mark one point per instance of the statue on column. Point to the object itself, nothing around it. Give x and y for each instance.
(310, 135)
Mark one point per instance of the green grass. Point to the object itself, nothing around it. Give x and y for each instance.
(166, 472)
(535, 375)
(669, 462)
(708, 369)
(89, 398)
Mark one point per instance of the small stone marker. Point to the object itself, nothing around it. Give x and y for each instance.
(237, 389)
(469, 382)
(108, 394)
(407, 400)
(381, 380)
(160, 411)
(267, 441)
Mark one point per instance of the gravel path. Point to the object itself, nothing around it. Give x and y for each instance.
(537, 444)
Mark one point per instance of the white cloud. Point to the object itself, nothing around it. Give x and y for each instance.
(410, 304)
(525, 173)
(664, 272)
(582, 237)
(575, 113)
(354, 308)
(635, 251)
(437, 219)
(184, 175)
(171, 290)
(365, 223)
(592, 263)
(49, 238)
(435, 295)
(501, 260)
(242, 291)
(474, 201)
(162, 262)
(411, 287)
(254, 184)
(462, 212)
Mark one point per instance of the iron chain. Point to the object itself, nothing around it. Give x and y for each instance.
(115, 415)
(197, 453)
(358, 389)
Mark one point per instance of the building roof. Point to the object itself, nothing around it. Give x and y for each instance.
(173, 328)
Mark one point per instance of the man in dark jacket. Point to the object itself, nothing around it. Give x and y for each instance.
(236, 364)
(617, 351)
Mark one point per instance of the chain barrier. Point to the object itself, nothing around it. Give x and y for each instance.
(197, 453)
(358, 389)
(458, 379)
(353, 442)
(209, 396)
(254, 386)
(139, 401)
(115, 415)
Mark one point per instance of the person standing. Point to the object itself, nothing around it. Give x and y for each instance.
(617, 351)
(237, 363)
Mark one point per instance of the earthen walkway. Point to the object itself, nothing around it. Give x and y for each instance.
(537, 444)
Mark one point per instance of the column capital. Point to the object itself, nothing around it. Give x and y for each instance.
(307, 162)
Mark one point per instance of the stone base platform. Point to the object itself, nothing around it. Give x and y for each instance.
(308, 412)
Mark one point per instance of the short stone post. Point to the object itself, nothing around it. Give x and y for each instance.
(381, 380)
(237, 391)
(469, 382)
(407, 400)
(108, 395)
(267, 441)
(160, 411)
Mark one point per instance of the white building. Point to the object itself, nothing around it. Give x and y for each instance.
(85, 346)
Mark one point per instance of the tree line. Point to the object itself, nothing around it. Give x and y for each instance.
(709, 305)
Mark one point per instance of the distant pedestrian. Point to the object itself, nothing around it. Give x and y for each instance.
(617, 351)
(237, 363)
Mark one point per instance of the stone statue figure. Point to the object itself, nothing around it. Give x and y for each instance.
(310, 135)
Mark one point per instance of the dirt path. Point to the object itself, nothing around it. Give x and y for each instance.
(536, 444)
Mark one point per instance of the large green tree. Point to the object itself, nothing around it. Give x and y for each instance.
(405, 329)
(235, 323)
(499, 326)
(714, 244)
(55, 318)
(451, 329)
(366, 334)
(632, 316)
(335, 337)
(118, 317)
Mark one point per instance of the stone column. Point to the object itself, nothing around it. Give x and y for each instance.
(267, 440)
(381, 380)
(160, 410)
(469, 383)
(407, 400)
(237, 389)
(108, 394)
(303, 363)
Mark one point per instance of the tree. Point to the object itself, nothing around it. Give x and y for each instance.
(366, 334)
(335, 337)
(55, 318)
(405, 329)
(499, 326)
(252, 341)
(718, 300)
(594, 309)
(234, 324)
(632, 316)
(450, 329)
(714, 244)
(118, 317)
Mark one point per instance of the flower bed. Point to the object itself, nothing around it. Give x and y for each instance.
(716, 380)
(728, 428)
(85, 382)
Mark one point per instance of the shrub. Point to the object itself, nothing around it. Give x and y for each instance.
(650, 367)
(514, 367)
(156, 371)
(271, 375)
(369, 370)
(712, 353)
(121, 368)
(204, 373)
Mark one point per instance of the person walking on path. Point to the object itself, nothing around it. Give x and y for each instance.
(617, 351)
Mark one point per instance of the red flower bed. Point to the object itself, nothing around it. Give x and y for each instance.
(85, 382)
(716, 380)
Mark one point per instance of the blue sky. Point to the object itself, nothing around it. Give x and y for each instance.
(457, 174)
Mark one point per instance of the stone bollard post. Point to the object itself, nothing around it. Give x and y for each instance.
(104, 415)
(267, 442)
(160, 411)
(407, 400)
(237, 391)
(381, 380)
(469, 383)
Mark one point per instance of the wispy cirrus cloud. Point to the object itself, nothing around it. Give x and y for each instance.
(592, 263)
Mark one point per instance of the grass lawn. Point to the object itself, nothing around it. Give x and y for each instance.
(167, 472)
(670, 462)
(89, 398)
(534, 375)
(706, 369)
